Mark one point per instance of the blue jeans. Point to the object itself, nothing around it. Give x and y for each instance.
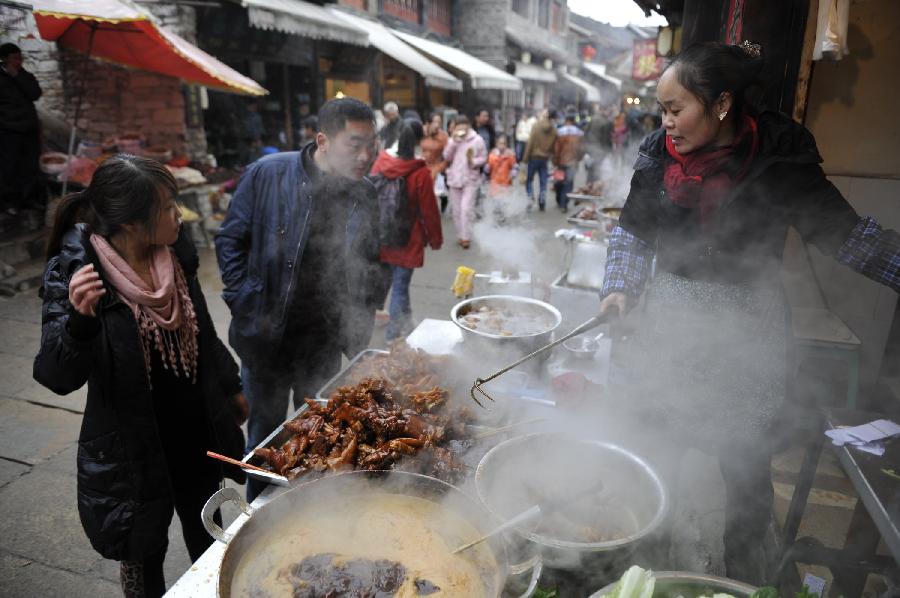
(304, 365)
(563, 188)
(539, 166)
(520, 150)
(400, 308)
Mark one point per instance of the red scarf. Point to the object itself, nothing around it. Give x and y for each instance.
(702, 179)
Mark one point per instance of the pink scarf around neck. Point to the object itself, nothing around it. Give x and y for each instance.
(165, 316)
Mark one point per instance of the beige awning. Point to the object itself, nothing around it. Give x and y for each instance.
(302, 18)
(481, 74)
(591, 93)
(533, 72)
(599, 70)
(380, 37)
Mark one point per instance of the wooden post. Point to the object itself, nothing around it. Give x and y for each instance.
(804, 76)
(286, 95)
(317, 91)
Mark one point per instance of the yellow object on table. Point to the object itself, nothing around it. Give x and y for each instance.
(464, 282)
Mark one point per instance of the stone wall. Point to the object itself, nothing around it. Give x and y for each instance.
(115, 100)
(479, 26)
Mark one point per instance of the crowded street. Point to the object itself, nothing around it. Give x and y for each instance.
(507, 298)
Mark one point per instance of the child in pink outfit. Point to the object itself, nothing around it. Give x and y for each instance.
(466, 154)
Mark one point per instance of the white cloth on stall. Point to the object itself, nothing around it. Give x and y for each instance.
(831, 30)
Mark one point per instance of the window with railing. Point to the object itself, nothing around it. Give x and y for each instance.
(544, 13)
(520, 7)
(408, 10)
(439, 16)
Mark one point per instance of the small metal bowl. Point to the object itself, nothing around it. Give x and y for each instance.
(583, 346)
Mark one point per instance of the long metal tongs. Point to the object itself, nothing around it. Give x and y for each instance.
(588, 325)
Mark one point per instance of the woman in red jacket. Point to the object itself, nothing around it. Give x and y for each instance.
(426, 223)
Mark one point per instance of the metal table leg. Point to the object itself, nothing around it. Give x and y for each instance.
(805, 480)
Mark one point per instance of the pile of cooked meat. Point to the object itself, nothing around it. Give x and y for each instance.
(374, 425)
(406, 370)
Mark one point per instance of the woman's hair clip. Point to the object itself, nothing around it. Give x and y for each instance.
(751, 49)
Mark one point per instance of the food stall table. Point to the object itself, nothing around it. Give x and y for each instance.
(876, 516)
(439, 337)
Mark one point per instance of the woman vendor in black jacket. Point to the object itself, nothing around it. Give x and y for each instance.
(123, 311)
(712, 196)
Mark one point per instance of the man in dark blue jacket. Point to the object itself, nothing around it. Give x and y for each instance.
(299, 256)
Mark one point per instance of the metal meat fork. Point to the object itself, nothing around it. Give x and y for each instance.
(588, 325)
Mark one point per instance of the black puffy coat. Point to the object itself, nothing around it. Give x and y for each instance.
(17, 97)
(124, 496)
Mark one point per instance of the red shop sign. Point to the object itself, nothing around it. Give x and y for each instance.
(645, 65)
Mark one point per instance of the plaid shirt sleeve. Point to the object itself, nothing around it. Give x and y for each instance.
(873, 252)
(628, 264)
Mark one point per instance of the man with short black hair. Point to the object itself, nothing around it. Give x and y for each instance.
(299, 256)
(19, 141)
(485, 128)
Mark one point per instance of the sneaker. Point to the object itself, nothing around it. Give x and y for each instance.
(543, 207)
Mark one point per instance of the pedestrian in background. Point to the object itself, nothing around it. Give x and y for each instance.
(299, 253)
(423, 218)
(433, 144)
(253, 133)
(123, 312)
(388, 133)
(502, 168)
(567, 154)
(598, 142)
(523, 132)
(20, 145)
(485, 128)
(466, 153)
(308, 130)
(537, 153)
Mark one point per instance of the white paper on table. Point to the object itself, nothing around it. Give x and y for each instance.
(868, 437)
(876, 430)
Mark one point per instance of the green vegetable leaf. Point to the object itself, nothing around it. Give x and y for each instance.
(766, 592)
(636, 583)
(542, 593)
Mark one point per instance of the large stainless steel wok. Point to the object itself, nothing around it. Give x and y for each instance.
(258, 550)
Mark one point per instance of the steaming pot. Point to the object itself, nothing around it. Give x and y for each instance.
(505, 348)
(624, 484)
(258, 548)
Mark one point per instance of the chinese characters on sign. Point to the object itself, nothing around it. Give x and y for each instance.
(645, 65)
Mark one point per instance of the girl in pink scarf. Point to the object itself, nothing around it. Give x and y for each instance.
(124, 313)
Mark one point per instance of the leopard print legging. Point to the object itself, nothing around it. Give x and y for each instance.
(131, 574)
(143, 579)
